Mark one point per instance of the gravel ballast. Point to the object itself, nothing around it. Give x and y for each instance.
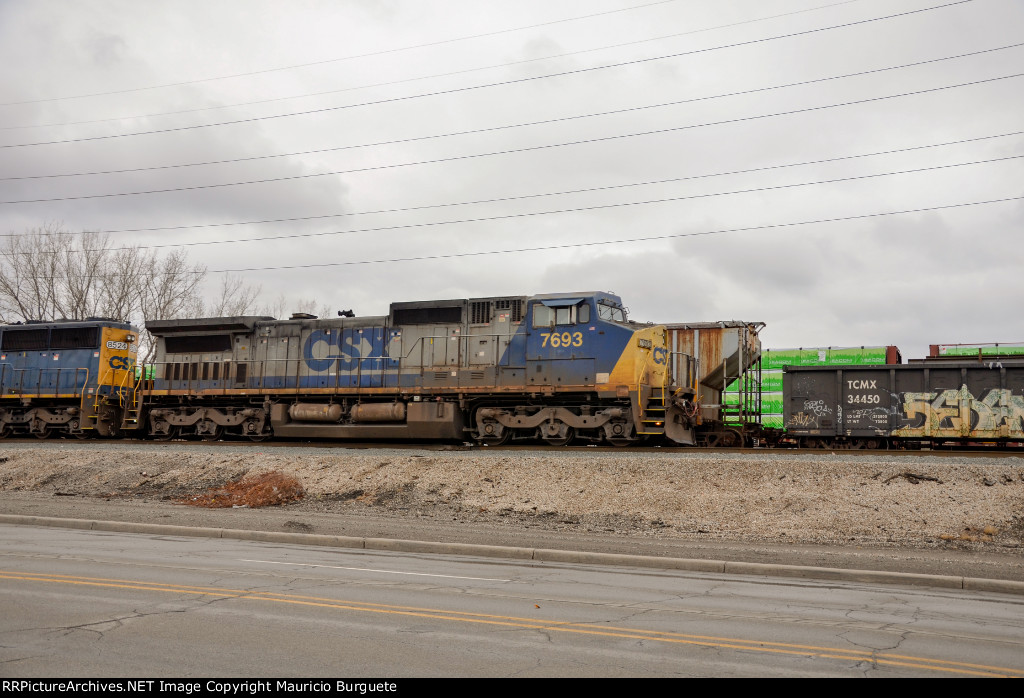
(832, 498)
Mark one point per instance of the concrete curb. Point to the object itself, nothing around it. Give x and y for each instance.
(532, 554)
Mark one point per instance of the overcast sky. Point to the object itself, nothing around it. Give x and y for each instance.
(662, 152)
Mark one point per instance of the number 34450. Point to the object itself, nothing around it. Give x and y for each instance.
(563, 339)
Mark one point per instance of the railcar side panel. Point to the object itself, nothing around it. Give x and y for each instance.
(963, 402)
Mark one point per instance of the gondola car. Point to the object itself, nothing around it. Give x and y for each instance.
(906, 405)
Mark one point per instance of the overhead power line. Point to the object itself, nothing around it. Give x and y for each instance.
(577, 209)
(422, 77)
(533, 214)
(599, 243)
(514, 150)
(525, 196)
(435, 93)
(519, 125)
(382, 52)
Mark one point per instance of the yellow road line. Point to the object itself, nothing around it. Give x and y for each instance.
(815, 651)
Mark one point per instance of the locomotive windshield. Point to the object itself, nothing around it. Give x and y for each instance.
(610, 312)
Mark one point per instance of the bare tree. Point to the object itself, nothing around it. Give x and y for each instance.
(48, 274)
(277, 309)
(236, 297)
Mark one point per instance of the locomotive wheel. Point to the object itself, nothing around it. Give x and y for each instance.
(216, 431)
(213, 435)
(258, 437)
(563, 440)
(5, 430)
(172, 431)
(505, 437)
(82, 435)
(621, 442)
(44, 433)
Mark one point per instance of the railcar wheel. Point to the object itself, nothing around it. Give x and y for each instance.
(730, 438)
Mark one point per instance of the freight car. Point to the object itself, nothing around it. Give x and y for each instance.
(73, 378)
(554, 367)
(905, 405)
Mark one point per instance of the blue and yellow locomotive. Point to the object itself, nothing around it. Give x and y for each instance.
(553, 367)
(73, 377)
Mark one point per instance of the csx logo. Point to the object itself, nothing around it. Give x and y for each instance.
(660, 355)
(121, 363)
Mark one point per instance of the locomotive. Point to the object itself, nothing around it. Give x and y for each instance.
(75, 378)
(553, 367)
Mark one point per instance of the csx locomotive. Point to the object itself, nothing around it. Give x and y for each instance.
(75, 378)
(554, 367)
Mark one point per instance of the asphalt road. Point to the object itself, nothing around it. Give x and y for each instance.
(89, 603)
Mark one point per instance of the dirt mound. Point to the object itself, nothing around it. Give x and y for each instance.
(264, 490)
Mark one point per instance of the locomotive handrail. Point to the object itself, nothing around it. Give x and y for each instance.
(85, 385)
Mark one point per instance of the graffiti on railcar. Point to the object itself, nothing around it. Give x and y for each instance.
(957, 412)
(814, 411)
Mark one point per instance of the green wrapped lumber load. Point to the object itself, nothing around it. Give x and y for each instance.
(773, 361)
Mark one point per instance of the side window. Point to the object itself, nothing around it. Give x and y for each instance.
(542, 315)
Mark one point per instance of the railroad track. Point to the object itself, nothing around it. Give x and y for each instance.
(977, 452)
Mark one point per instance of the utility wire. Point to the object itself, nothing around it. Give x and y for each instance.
(371, 54)
(487, 85)
(524, 196)
(514, 150)
(424, 77)
(519, 125)
(577, 209)
(620, 241)
(576, 245)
